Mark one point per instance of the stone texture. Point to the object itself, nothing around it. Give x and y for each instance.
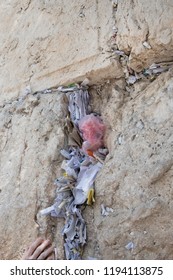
(31, 133)
(44, 44)
(136, 180)
(140, 21)
(48, 43)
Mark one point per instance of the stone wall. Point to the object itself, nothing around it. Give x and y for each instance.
(51, 42)
(136, 181)
(48, 43)
(31, 135)
(145, 21)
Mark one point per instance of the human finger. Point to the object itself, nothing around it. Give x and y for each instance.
(46, 253)
(40, 249)
(29, 252)
(51, 257)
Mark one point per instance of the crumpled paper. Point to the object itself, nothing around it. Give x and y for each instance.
(76, 186)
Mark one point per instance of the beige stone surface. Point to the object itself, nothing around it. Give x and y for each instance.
(136, 181)
(48, 43)
(145, 21)
(31, 136)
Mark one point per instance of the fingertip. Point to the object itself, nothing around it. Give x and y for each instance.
(39, 240)
(48, 242)
(51, 257)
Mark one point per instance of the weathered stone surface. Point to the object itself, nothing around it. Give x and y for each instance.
(44, 44)
(31, 133)
(136, 179)
(47, 43)
(145, 21)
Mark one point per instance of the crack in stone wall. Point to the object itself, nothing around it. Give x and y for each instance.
(136, 181)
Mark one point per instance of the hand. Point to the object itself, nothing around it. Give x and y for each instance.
(40, 249)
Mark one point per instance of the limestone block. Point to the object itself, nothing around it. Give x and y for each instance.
(48, 43)
(144, 21)
(136, 181)
(31, 136)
